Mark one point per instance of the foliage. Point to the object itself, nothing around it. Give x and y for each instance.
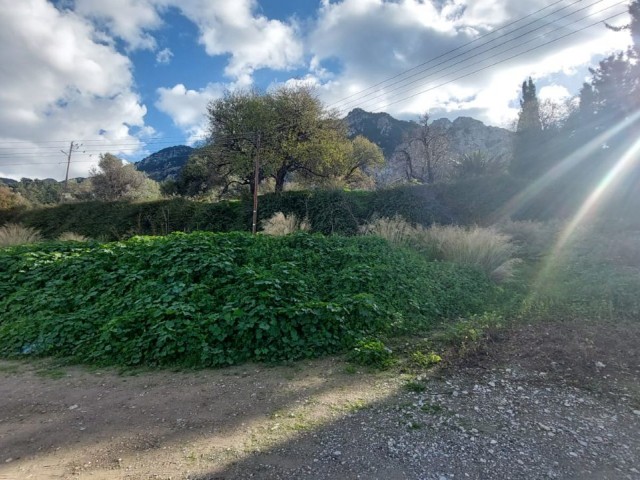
(288, 131)
(114, 180)
(423, 360)
(10, 200)
(371, 352)
(281, 224)
(15, 234)
(528, 143)
(215, 299)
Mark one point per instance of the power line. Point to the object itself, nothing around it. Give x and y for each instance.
(448, 52)
(508, 58)
(462, 61)
(423, 70)
(466, 63)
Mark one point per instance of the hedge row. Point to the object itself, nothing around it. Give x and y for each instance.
(480, 200)
(329, 212)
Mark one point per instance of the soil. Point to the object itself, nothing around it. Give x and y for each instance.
(551, 400)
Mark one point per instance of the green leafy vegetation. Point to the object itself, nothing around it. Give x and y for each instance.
(215, 299)
(371, 352)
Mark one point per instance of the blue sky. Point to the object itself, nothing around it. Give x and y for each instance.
(133, 76)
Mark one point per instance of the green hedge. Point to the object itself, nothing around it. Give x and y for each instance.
(207, 299)
(329, 212)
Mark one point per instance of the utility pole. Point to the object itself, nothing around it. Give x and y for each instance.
(68, 154)
(256, 180)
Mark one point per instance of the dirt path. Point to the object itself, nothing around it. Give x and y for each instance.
(551, 402)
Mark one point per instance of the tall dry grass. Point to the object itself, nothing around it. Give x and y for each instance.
(12, 234)
(281, 224)
(483, 248)
(72, 237)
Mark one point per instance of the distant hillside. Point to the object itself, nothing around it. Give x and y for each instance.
(381, 128)
(165, 164)
(8, 181)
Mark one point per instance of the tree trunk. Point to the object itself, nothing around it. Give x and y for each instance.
(280, 178)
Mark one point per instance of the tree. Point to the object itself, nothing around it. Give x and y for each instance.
(289, 132)
(114, 180)
(10, 200)
(475, 164)
(528, 142)
(422, 165)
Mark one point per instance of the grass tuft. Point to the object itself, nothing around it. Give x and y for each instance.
(12, 234)
(281, 224)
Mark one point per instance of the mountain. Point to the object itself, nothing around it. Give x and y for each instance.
(165, 164)
(8, 181)
(381, 128)
(465, 134)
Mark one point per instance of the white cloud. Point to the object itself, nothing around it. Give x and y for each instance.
(164, 56)
(554, 93)
(374, 40)
(187, 108)
(127, 19)
(252, 40)
(58, 83)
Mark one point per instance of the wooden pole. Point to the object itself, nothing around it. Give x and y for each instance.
(256, 181)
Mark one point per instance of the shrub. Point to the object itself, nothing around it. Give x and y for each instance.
(281, 224)
(72, 237)
(483, 248)
(371, 352)
(206, 299)
(15, 234)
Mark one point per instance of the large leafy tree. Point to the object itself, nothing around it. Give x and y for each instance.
(114, 180)
(288, 132)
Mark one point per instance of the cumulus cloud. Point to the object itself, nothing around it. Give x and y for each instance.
(60, 82)
(252, 40)
(129, 20)
(187, 107)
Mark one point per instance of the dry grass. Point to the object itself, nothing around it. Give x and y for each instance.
(484, 248)
(72, 237)
(396, 230)
(281, 224)
(15, 234)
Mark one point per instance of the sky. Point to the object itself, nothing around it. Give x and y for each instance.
(131, 77)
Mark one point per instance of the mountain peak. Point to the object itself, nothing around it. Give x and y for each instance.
(166, 163)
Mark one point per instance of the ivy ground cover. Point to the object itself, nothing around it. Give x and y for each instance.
(206, 299)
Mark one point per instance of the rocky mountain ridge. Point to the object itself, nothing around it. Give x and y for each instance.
(165, 164)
